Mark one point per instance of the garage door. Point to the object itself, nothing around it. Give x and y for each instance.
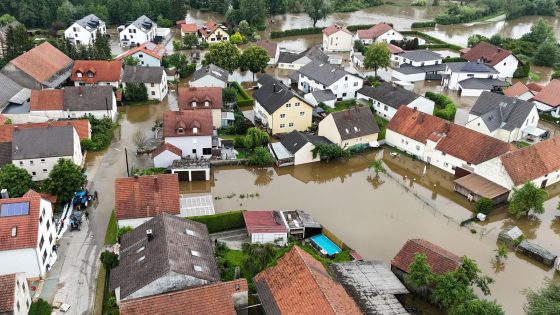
(183, 176)
(198, 175)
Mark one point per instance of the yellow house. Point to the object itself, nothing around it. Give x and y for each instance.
(279, 108)
(350, 127)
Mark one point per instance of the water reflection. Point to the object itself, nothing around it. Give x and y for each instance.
(528, 225)
(263, 176)
(555, 225)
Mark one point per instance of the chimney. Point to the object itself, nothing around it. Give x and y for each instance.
(149, 234)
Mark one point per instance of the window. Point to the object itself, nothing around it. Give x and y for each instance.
(141, 258)
(44, 256)
(14, 231)
(48, 224)
(151, 84)
(79, 74)
(206, 151)
(50, 239)
(206, 103)
(290, 124)
(45, 170)
(443, 153)
(402, 140)
(282, 116)
(41, 242)
(195, 130)
(418, 147)
(153, 93)
(90, 74)
(446, 164)
(31, 162)
(42, 160)
(18, 307)
(20, 163)
(298, 104)
(288, 105)
(385, 107)
(470, 75)
(140, 249)
(193, 151)
(355, 83)
(346, 78)
(282, 125)
(140, 55)
(197, 268)
(302, 113)
(33, 173)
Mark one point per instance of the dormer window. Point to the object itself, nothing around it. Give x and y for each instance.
(193, 103)
(79, 74)
(206, 103)
(14, 231)
(195, 130)
(90, 74)
(180, 130)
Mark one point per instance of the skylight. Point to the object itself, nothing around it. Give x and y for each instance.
(141, 258)
(190, 232)
(195, 253)
(140, 249)
(197, 268)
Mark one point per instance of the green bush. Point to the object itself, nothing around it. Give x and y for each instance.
(243, 98)
(260, 157)
(221, 221)
(483, 205)
(101, 134)
(423, 24)
(452, 59)
(40, 307)
(523, 71)
(445, 108)
(296, 32)
(418, 3)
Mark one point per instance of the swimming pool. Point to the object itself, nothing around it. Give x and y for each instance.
(324, 243)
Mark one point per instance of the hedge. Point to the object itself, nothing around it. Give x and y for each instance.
(221, 221)
(434, 43)
(316, 30)
(243, 98)
(445, 108)
(423, 24)
(452, 59)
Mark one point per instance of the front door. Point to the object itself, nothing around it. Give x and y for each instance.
(543, 184)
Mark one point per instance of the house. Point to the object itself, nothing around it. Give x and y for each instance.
(294, 61)
(154, 78)
(213, 32)
(193, 98)
(265, 227)
(222, 298)
(379, 32)
(37, 150)
(337, 38)
(73, 102)
(141, 30)
(84, 30)
(148, 54)
(506, 118)
(419, 58)
(28, 233)
(441, 143)
(522, 91)
(548, 98)
(14, 292)
(172, 75)
(317, 97)
(272, 48)
(41, 67)
(409, 73)
(190, 131)
(140, 198)
(299, 284)
(295, 148)
(471, 78)
(82, 127)
(97, 72)
(347, 128)
(280, 109)
(387, 98)
(318, 75)
(209, 76)
(164, 254)
(3, 32)
(503, 60)
(165, 154)
(12, 94)
(189, 29)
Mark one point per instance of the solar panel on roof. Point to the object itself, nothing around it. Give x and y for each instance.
(14, 209)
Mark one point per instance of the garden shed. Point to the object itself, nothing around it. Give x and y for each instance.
(511, 236)
(537, 252)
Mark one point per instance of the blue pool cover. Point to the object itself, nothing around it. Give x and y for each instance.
(324, 243)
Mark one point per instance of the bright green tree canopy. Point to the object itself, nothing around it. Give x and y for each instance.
(224, 55)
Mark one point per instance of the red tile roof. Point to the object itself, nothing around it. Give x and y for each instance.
(374, 31)
(187, 120)
(7, 293)
(49, 197)
(516, 90)
(42, 62)
(550, 94)
(335, 28)
(535, 87)
(208, 28)
(158, 51)
(486, 53)
(215, 299)
(533, 162)
(82, 127)
(299, 284)
(458, 141)
(166, 147)
(395, 49)
(27, 225)
(3, 119)
(270, 46)
(263, 222)
(103, 71)
(46, 100)
(146, 196)
(200, 95)
(189, 28)
(441, 260)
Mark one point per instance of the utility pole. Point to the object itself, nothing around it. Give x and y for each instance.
(126, 158)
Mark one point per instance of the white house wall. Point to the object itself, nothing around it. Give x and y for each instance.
(146, 60)
(208, 81)
(402, 60)
(343, 89)
(423, 105)
(405, 144)
(263, 238)
(389, 36)
(304, 155)
(165, 159)
(128, 37)
(507, 66)
(78, 35)
(41, 167)
(471, 92)
(337, 42)
(20, 260)
(22, 296)
(190, 143)
(114, 84)
(133, 223)
(415, 77)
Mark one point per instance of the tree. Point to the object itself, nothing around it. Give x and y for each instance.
(276, 6)
(483, 205)
(377, 56)
(109, 259)
(125, 229)
(544, 301)
(40, 307)
(329, 152)
(254, 58)
(449, 291)
(140, 140)
(501, 252)
(526, 199)
(190, 41)
(6, 19)
(131, 61)
(136, 92)
(66, 12)
(475, 39)
(224, 55)
(244, 28)
(256, 257)
(254, 11)
(64, 180)
(420, 273)
(180, 62)
(236, 38)
(477, 306)
(260, 157)
(229, 94)
(177, 10)
(547, 54)
(16, 180)
(17, 42)
(255, 138)
(317, 10)
(101, 48)
(377, 167)
(541, 31)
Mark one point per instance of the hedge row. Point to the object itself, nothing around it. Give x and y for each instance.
(221, 221)
(434, 43)
(423, 24)
(316, 30)
(452, 59)
(445, 108)
(243, 98)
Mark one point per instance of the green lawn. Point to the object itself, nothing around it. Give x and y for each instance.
(242, 153)
(234, 259)
(339, 106)
(382, 123)
(111, 235)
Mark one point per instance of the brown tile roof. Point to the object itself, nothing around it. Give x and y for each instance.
(550, 94)
(441, 260)
(415, 124)
(103, 71)
(49, 197)
(166, 147)
(215, 299)
(516, 90)
(188, 119)
(270, 46)
(263, 222)
(533, 162)
(486, 53)
(335, 28)
(27, 225)
(146, 196)
(42, 62)
(46, 100)
(189, 28)
(82, 127)
(208, 28)
(149, 48)
(7, 293)
(535, 87)
(374, 31)
(199, 95)
(395, 49)
(299, 284)
(3, 119)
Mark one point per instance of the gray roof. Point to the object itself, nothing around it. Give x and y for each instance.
(421, 55)
(408, 69)
(168, 251)
(537, 250)
(52, 141)
(471, 67)
(144, 23)
(295, 140)
(10, 91)
(86, 98)
(355, 122)
(90, 22)
(313, 53)
(389, 94)
(482, 83)
(500, 111)
(5, 153)
(323, 72)
(272, 94)
(323, 95)
(372, 285)
(211, 70)
(137, 74)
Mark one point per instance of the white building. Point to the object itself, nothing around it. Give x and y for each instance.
(471, 78)
(142, 30)
(337, 38)
(350, 127)
(419, 58)
(522, 91)
(317, 97)
(295, 60)
(387, 98)
(213, 32)
(154, 78)
(191, 131)
(266, 227)
(84, 30)
(29, 235)
(295, 148)
(14, 291)
(548, 98)
(209, 76)
(318, 75)
(165, 154)
(503, 60)
(272, 48)
(148, 54)
(380, 32)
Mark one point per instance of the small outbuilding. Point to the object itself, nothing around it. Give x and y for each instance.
(537, 252)
(300, 224)
(511, 237)
(266, 227)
